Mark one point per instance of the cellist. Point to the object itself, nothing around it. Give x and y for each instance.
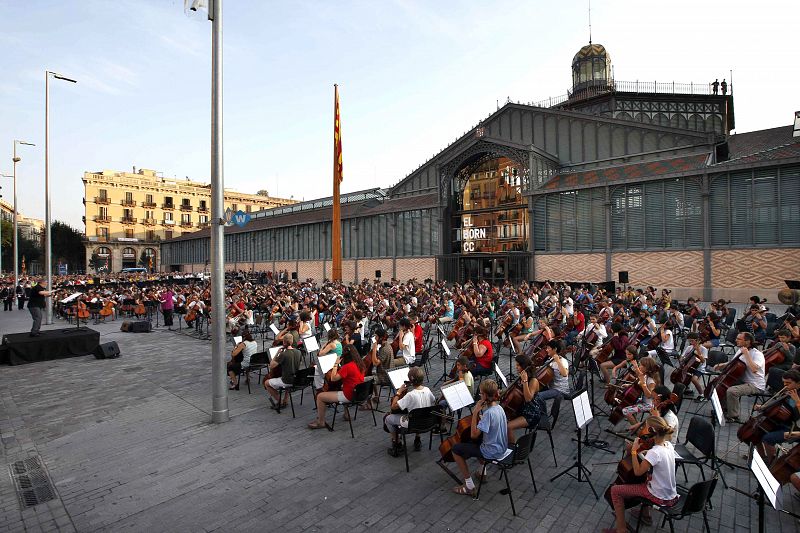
(660, 489)
(754, 380)
(489, 434)
(791, 385)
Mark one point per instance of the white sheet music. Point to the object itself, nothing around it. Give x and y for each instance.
(398, 376)
(717, 407)
(502, 376)
(237, 340)
(274, 329)
(326, 326)
(441, 332)
(582, 409)
(274, 351)
(71, 297)
(311, 344)
(457, 395)
(768, 483)
(446, 348)
(326, 362)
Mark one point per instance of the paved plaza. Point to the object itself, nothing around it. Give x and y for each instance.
(129, 447)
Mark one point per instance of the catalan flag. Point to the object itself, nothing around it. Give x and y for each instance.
(337, 137)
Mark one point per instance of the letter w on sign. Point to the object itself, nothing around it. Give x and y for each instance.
(240, 218)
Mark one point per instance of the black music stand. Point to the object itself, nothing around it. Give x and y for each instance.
(583, 415)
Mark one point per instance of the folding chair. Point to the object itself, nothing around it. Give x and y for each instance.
(519, 455)
(258, 362)
(693, 501)
(361, 395)
(549, 422)
(422, 420)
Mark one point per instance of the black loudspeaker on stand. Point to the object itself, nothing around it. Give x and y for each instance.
(623, 277)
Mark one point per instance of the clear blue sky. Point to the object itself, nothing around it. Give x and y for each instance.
(414, 75)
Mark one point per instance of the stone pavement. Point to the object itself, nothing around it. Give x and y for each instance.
(129, 447)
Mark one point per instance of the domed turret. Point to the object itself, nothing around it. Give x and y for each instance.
(591, 68)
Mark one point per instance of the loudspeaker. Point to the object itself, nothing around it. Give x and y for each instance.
(107, 350)
(623, 277)
(377, 274)
(140, 326)
(609, 287)
(294, 275)
(126, 326)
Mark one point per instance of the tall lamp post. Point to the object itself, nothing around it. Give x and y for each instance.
(48, 245)
(219, 376)
(16, 231)
(1, 230)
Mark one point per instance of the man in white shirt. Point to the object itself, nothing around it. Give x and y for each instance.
(600, 331)
(754, 379)
(408, 398)
(407, 344)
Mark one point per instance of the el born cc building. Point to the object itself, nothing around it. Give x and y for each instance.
(642, 177)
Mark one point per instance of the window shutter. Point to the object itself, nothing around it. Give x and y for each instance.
(540, 224)
(741, 196)
(618, 228)
(790, 205)
(765, 207)
(583, 219)
(656, 196)
(719, 217)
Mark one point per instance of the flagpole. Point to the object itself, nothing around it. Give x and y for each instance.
(336, 224)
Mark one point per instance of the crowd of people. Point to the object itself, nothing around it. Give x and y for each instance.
(629, 338)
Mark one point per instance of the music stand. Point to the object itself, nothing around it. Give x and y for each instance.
(445, 351)
(583, 415)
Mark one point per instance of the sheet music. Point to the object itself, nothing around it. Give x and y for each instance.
(71, 297)
(768, 483)
(274, 329)
(398, 376)
(717, 407)
(326, 362)
(446, 348)
(311, 344)
(274, 351)
(502, 376)
(441, 332)
(457, 395)
(582, 409)
(326, 326)
(237, 340)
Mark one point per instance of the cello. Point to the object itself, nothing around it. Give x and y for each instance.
(774, 414)
(624, 393)
(625, 472)
(728, 377)
(786, 465)
(684, 372)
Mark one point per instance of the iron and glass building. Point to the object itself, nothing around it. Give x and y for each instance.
(643, 178)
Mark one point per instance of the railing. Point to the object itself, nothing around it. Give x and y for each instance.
(149, 221)
(149, 205)
(186, 224)
(128, 220)
(102, 200)
(102, 219)
(186, 207)
(128, 203)
(648, 87)
(202, 209)
(203, 224)
(168, 222)
(167, 206)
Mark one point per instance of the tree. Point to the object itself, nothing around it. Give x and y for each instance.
(95, 262)
(67, 243)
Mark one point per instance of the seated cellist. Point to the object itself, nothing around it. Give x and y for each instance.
(534, 407)
(784, 433)
(661, 488)
(489, 434)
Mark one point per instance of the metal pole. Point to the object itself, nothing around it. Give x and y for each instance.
(16, 231)
(219, 410)
(47, 244)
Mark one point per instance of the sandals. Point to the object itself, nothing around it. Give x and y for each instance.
(464, 491)
(315, 425)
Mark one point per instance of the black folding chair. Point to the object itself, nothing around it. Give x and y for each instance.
(693, 501)
(547, 423)
(258, 362)
(361, 395)
(519, 455)
(422, 420)
(302, 378)
(701, 436)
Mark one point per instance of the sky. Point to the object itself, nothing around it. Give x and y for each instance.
(413, 77)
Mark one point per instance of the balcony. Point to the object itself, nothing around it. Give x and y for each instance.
(128, 220)
(149, 221)
(202, 209)
(168, 222)
(128, 203)
(203, 224)
(102, 219)
(167, 206)
(185, 224)
(149, 205)
(102, 200)
(186, 207)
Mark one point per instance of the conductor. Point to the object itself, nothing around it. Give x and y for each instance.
(36, 305)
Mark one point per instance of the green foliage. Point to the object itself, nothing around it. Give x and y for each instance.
(68, 246)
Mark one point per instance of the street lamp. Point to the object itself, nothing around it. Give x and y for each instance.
(48, 260)
(219, 407)
(1, 230)
(16, 231)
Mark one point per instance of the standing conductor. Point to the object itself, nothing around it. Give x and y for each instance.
(36, 305)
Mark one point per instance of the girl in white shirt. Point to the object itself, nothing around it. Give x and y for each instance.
(661, 488)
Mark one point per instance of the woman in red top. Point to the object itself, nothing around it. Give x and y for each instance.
(484, 352)
(350, 374)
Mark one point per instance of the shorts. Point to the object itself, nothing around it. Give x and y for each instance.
(714, 342)
(467, 450)
(775, 437)
(341, 397)
(278, 383)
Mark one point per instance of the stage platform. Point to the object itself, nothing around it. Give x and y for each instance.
(21, 348)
